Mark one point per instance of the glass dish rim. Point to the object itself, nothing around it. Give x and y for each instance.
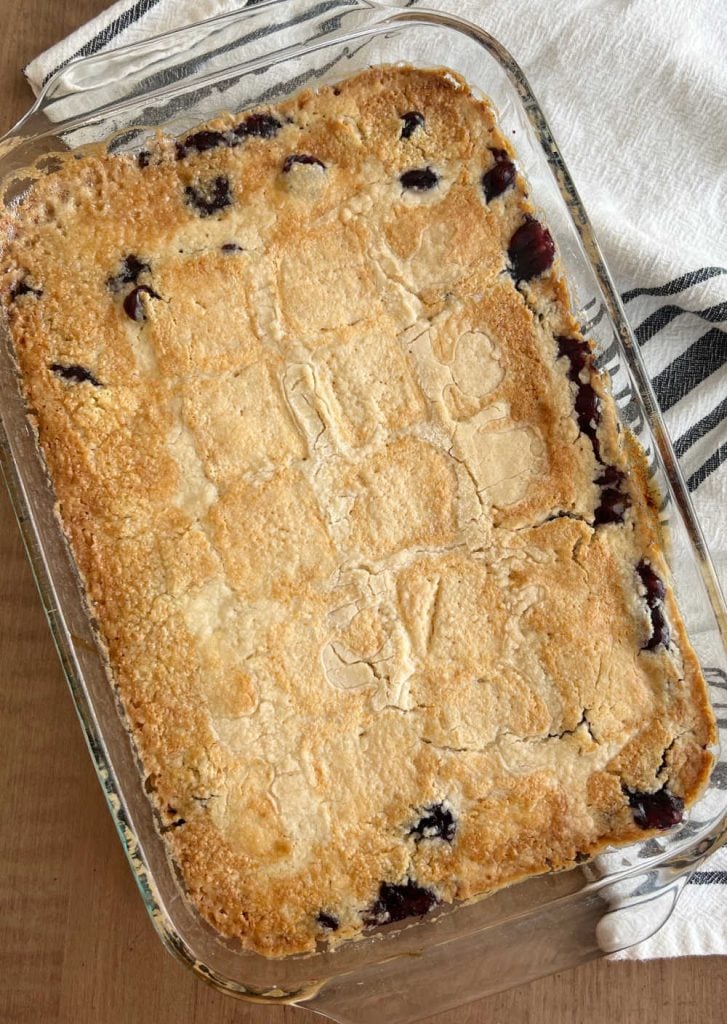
(394, 16)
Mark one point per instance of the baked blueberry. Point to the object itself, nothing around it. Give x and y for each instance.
(587, 402)
(74, 373)
(531, 250)
(587, 409)
(500, 177)
(23, 288)
(660, 634)
(210, 196)
(654, 586)
(655, 594)
(436, 822)
(411, 121)
(133, 304)
(614, 500)
(143, 157)
(612, 508)
(177, 823)
(420, 179)
(231, 247)
(328, 921)
(261, 126)
(610, 477)
(301, 158)
(578, 354)
(199, 142)
(655, 810)
(130, 270)
(395, 902)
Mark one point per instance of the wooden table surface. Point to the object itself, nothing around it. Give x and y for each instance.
(76, 946)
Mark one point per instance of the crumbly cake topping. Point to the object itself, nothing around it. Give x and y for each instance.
(379, 578)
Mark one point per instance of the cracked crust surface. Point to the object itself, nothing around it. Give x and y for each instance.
(335, 516)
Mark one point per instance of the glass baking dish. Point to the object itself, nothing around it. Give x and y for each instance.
(263, 54)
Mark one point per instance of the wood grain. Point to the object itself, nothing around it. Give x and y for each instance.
(75, 943)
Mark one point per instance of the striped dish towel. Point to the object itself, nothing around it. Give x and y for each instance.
(636, 95)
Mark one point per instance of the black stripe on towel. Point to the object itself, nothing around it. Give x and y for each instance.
(664, 315)
(706, 469)
(699, 429)
(109, 32)
(679, 284)
(717, 677)
(708, 878)
(700, 361)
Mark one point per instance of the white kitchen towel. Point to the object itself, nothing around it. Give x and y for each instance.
(636, 94)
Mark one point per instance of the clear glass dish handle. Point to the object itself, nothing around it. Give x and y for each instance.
(199, 55)
(612, 916)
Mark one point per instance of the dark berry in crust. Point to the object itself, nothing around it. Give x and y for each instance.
(653, 584)
(209, 197)
(587, 402)
(531, 250)
(23, 288)
(500, 177)
(411, 121)
(659, 810)
(74, 373)
(231, 247)
(655, 594)
(133, 304)
(577, 353)
(199, 142)
(420, 179)
(301, 158)
(396, 902)
(328, 921)
(143, 157)
(587, 410)
(612, 508)
(660, 634)
(614, 500)
(130, 270)
(260, 126)
(177, 823)
(436, 822)
(610, 477)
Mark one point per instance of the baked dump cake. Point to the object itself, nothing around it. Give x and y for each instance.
(378, 577)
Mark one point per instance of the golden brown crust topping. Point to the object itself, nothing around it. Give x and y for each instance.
(380, 583)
